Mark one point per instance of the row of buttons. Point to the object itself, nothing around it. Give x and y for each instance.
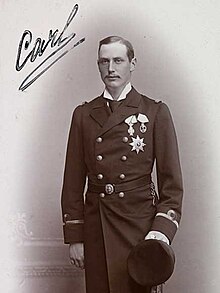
(124, 139)
(100, 176)
(121, 194)
(100, 157)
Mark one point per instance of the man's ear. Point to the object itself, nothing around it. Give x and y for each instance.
(133, 64)
(98, 65)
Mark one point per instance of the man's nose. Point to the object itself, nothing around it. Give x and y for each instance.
(111, 67)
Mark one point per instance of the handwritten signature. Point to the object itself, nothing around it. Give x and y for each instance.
(55, 40)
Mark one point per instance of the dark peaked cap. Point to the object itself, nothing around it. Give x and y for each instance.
(151, 262)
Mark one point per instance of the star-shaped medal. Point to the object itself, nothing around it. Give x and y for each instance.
(137, 144)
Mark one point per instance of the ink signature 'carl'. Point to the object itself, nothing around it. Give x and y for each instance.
(56, 40)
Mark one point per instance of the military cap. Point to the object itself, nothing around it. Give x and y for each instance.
(151, 262)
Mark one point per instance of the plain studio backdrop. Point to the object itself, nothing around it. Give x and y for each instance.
(177, 44)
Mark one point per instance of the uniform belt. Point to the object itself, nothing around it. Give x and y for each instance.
(110, 188)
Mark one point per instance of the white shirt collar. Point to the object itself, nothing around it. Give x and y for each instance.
(122, 96)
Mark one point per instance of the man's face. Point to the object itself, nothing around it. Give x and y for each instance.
(114, 65)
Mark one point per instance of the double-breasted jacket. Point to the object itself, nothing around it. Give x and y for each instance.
(116, 152)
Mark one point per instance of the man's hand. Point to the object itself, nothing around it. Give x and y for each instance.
(158, 236)
(76, 252)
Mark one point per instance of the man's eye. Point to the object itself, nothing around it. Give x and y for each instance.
(103, 62)
(118, 61)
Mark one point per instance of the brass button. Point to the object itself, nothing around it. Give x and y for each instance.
(172, 215)
(125, 139)
(100, 176)
(122, 176)
(99, 158)
(98, 139)
(102, 194)
(123, 158)
(66, 216)
(121, 194)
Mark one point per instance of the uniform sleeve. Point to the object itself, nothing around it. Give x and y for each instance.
(169, 175)
(72, 200)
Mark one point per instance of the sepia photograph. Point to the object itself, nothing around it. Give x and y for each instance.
(110, 146)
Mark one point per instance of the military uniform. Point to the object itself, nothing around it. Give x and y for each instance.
(116, 151)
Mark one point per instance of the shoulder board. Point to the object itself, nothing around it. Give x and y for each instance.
(157, 101)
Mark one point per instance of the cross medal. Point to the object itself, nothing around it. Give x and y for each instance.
(130, 121)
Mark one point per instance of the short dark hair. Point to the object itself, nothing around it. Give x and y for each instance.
(116, 39)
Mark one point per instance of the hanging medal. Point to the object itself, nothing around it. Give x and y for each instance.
(130, 121)
(142, 119)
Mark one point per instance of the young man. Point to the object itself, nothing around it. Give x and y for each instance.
(114, 141)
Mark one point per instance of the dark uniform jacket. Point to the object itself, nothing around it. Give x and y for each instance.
(115, 217)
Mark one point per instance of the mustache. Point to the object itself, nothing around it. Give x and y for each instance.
(111, 75)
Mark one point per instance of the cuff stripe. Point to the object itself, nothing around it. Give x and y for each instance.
(74, 222)
(169, 218)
